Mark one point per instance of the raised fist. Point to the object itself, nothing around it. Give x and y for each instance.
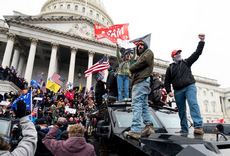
(201, 37)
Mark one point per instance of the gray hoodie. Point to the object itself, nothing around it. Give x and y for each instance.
(27, 146)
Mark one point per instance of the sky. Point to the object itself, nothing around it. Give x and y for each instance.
(173, 24)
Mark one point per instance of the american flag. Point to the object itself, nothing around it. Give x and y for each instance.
(101, 65)
(57, 79)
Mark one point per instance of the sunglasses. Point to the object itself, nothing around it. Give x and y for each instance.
(139, 43)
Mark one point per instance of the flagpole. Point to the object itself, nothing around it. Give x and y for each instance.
(31, 103)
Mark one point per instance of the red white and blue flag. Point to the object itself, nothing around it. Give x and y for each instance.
(101, 65)
(57, 79)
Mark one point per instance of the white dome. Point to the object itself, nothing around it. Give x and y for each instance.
(92, 9)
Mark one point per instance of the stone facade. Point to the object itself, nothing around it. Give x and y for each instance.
(6, 86)
(61, 39)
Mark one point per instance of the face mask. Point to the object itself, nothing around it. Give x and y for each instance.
(140, 50)
(177, 58)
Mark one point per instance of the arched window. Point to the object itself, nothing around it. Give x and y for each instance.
(61, 6)
(91, 12)
(55, 7)
(213, 103)
(97, 16)
(83, 9)
(212, 94)
(68, 6)
(76, 7)
(206, 106)
(204, 92)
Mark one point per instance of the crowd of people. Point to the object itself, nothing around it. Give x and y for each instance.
(10, 74)
(62, 121)
(52, 118)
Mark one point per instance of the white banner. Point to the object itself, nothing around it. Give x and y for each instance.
(70, 110)
(4, 103)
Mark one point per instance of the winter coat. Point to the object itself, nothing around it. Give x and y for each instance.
(111, 84)
(27, 146)
(123, 68)
(143, 67)
(99, 92)
(179, 74)
(73, 146)
(41, 148)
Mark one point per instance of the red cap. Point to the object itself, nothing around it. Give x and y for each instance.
(138, 42)
(175, 52)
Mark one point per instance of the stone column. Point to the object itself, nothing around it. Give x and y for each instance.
(30, 61)
(56, 65)
(72, 65)
(8, 50)
(90, 63)
(53, 59)
(15, 60)
(21, 64)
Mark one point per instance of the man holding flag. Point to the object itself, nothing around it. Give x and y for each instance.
(123, 72)
(141, 71)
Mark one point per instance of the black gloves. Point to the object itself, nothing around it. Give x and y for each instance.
(20, 110)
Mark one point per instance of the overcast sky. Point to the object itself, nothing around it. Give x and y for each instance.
(174, 24)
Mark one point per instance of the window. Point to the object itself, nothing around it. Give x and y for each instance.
(61, 6)
(213, 107)
(212, 94)
(103, 19)
(68, 6)
(204, 92)
(97, 16)
(76, 7)
(83, 9)
(55, 7)
(206, 106)
(91, 12)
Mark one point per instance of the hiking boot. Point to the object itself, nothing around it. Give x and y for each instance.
(147, 131)
(134, 135)
(198, 131)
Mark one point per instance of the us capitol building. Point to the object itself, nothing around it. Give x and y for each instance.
(61, 39)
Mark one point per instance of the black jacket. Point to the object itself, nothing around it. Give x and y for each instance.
(180, 74)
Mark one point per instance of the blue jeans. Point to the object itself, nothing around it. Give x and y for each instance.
(123, 83)
(189, 93)
(140, 108)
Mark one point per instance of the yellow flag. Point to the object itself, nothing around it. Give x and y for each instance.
(52, 86)
(80, 88)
